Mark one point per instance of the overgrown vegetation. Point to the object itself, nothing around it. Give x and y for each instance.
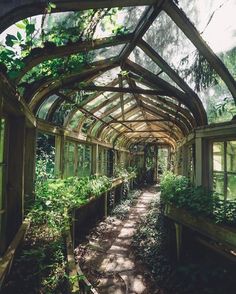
(68, 28)
(122, 210)
(178, 190)
(121, 172)
(198, 271)
(43, 252)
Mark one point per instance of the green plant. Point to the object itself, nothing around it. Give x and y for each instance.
(179, 191)
(121, 172)
(121, 210)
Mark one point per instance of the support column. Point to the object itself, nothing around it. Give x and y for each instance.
(95, 159)
(155, 174)
(59, 155)
(199, 166)
(178, 233)
(30, 160)
(15, 177)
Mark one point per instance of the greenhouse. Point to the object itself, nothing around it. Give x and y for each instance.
(118, 146)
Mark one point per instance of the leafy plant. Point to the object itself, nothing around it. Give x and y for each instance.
(121, 210)
(178, 190)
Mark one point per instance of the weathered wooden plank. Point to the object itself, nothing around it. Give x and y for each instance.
(6, 260)
(71, 265)
(221, 233)
(124, 90)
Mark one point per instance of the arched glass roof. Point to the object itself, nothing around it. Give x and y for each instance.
(127, 73)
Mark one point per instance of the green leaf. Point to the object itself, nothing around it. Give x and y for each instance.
(19, 36)
(30, 28)
(13, 74)
(10, 40)
(25, 21)
(52, 5)
(21, 25)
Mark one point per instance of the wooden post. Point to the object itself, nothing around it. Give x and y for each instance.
(155, 174)
(105, 205)
(97, 160)
(30, 159)
(178, 233)
(15, 184)
(59, 155)
(199, 166)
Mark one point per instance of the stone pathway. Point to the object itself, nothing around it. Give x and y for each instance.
(109, 263)
(119, 262)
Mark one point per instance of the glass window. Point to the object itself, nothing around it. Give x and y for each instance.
(84, 166)
(104, 53)
(231, 156)
(224, 169)
(45, 106)
(218, 156)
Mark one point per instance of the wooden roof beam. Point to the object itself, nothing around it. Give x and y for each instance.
(172, 74)
(48, 87)
(144, 23)
(14, 11)
(33, 59)
(139, 121)
(181, 96)
(124, 90)
(182, 21)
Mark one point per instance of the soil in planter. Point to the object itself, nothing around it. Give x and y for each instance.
(200, 270)
(39, 266)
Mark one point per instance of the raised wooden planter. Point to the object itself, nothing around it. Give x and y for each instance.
(7, 259)
(96, 208)
(220, 233)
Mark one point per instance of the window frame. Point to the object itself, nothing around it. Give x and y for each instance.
(225, 173)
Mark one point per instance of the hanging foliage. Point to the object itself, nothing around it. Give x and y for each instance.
(198, 70)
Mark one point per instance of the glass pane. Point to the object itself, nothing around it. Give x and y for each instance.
(105, 53)
(61, 113)
(170, 42)
(71, 158)
(75, 119)
(81, 158)
(138, 56)
(45, 106)
(87, 161)
(107, 77)
(218, 156)
(218, 183)
(231, 188)
(213, 16)
(231, 156)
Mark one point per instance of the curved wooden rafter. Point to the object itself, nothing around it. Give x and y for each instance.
(50, 86)
(85, 101)
(14, 11)
(43, 54)
(101, 134)
(182, 97)
(149, 102)
(182, 21)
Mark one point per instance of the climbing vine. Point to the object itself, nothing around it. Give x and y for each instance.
(54, 31)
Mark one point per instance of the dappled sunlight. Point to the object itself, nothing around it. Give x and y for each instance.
(112, 267)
